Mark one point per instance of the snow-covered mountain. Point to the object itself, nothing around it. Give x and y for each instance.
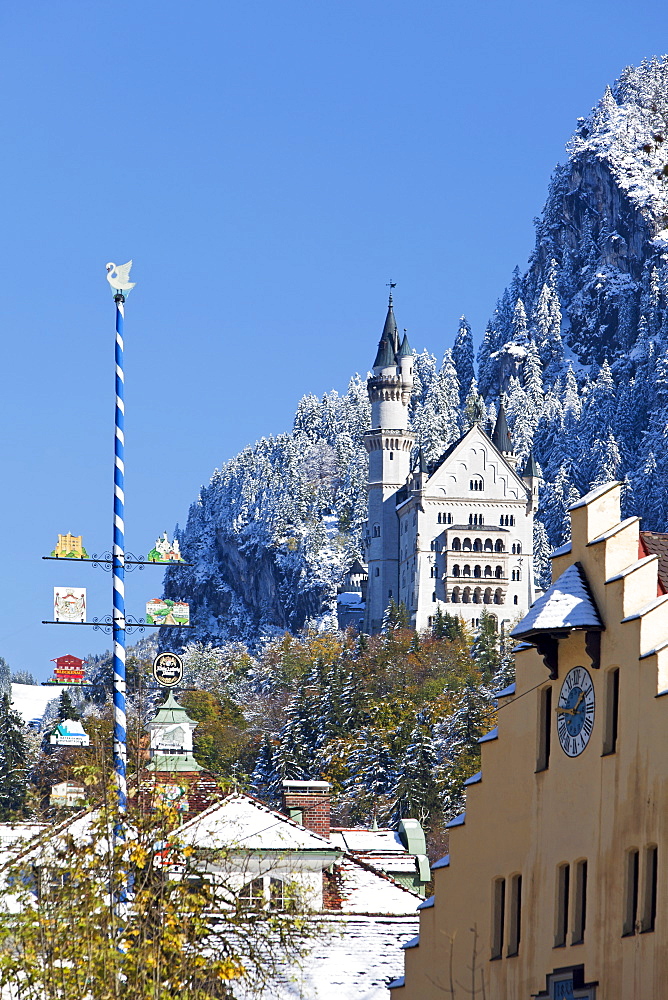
(577, 348)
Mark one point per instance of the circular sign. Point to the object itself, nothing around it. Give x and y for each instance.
(168, 669)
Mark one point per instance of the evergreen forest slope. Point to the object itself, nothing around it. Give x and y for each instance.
(577, 348)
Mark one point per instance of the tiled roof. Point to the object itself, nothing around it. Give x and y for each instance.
(656, 543)
(568, 604)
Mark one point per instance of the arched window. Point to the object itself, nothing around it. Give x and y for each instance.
(377, 572)
(498, 596)
(470, 518)
(477, 572)
(498, 572)
(487, 599)
(477, 545)
(512, 519)
(466, 596)
(376, 531)
(489, 545)
(476, 595)
(456, 545)
(501, 520)
(481, 520)
(455, 596)
(449, 518)
(515, 601)
(439, 518)
(433, 597)
(433, 571)
(467, 570)
(499, 546)
(455, 570)
(476, 484)
(467, 545)
(488, 570)
(519, 548)
(433, 545)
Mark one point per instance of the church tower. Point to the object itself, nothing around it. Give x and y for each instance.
(388, 444)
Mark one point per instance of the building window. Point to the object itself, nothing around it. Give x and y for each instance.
(498, 916)
(515, 915)
(467, 570)
(498, 572)
(611, 710)
(466, 595)
(263, 893)
(477, 572)
(544, 728)
(455, 595)
(648, 917)
(377, 571)
(477, 545)
(631, 878)
(456, 545)
(515, 600)
(391, 456)
(489, 545)
(498, 596)
(376, 531)
(563, 892)
(455, 570)
(433, 596)
(499, 546)
(580, 898)
(476, 484)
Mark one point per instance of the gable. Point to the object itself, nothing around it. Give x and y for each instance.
(475, 458)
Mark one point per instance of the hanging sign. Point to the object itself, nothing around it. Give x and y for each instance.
(165, 551)
(163, 611)
(70, 547)
(68, 670)
(69, 733)
(168, 669)
(69, 604)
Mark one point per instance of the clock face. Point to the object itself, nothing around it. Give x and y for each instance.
(575, 711)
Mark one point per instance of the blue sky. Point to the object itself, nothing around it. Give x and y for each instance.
(269, 167)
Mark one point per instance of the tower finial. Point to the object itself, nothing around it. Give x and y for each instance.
(391, 284)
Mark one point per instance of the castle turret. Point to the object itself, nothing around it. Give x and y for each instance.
(171, 738)
(531, 479)
(389, 444)
(502, 439)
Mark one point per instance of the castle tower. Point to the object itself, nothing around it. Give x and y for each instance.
(502, 439)
(389, 444)
(531, 479)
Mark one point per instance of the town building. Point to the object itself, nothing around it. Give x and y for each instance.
(553, 886)
(455, 534)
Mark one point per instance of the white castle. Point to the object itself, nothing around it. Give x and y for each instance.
(454, 534)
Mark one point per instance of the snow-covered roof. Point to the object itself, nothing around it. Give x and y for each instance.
(365, 889)
(350, 598)
(377, 841)
(457, 821)
(568, 604)
(240, 821)
(507, 691)
(475, 779)
(427, 903)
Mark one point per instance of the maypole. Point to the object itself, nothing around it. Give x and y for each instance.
(118, 570)
(118, 277)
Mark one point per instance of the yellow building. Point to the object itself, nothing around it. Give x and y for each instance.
(554, 885)
(70, 546)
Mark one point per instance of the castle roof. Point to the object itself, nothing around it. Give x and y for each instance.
(531, 468)
(385, 357)
(501, 433)
(390, 332)
(405, 351)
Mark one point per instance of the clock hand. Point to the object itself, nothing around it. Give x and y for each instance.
(565, 711)
(577, 703)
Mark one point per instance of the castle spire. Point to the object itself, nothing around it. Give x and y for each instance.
(390, 332)
(501, 433)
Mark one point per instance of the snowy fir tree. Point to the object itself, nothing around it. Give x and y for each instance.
(13, 762)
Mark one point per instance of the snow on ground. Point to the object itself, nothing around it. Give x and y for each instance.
(30, 700)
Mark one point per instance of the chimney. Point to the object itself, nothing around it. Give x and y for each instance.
(307, 802)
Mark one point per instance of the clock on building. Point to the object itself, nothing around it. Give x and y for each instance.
(575, 711)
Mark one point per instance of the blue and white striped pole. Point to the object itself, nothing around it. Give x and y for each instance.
(118, 570)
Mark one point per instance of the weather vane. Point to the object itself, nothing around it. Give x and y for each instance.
(118, 276)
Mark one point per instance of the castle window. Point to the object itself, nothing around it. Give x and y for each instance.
(377, 572)
(515, 600)
(563, 893)
(430, 621)
(455, 595)
(580, 898)
(648, 916)
(498, 596)
(470, 518)
(433, 545)
(499, 546)
(477, 571)
(391, 456)
(544, 728)
(467, 545)
(466, 595)
(487, 598)
(512, 519)
(433, 596)
(467, 570)
(456, 545)
(498, 916)
(515, 921)
(476, 595)
(489, 545)
(477, 545)
(611, 710)
(488, 570)
(376, 531)
(439, 518)
(476, 484)
(498, 572)
(631, 891)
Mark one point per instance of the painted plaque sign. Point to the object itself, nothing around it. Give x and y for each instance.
(69, 733)
(68, 670)
(163, 611)
(70, 547)
(168, 669)
(165, 551)
(69, 604)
